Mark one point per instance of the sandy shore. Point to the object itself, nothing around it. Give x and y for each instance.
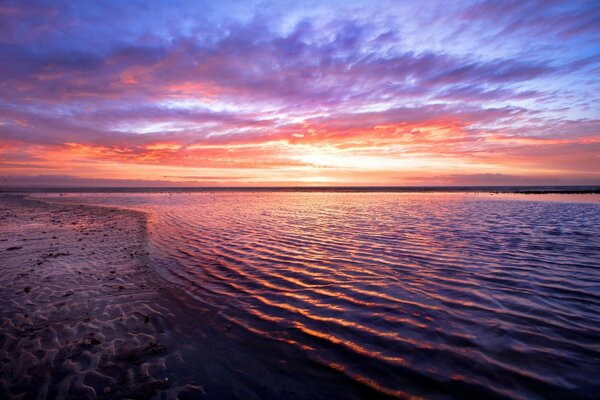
(81, 315)
(84, 315)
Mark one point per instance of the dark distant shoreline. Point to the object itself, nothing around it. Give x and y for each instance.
(333, 189)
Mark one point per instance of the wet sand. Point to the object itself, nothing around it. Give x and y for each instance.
(84, 315)
(81, 315)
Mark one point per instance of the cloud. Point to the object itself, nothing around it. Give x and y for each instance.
(492, 85)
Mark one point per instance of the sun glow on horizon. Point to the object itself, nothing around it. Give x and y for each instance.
(342, 96)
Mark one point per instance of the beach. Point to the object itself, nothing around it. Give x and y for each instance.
(84, 316)
(319, 295)
(298, 295)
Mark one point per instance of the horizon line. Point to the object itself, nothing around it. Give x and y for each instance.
(534, 189)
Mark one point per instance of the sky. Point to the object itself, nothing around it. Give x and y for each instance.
(299, 93)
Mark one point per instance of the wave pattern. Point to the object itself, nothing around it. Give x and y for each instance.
(426, 295)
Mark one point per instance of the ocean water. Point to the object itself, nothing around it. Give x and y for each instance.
(433, 295)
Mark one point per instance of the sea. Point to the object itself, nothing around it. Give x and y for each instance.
(413, 294)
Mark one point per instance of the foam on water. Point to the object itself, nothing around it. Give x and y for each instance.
(411, 294)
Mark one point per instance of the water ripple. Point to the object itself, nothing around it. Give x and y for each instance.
(432, 295)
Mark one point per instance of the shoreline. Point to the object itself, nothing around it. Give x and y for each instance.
(83, 315)
(89, 309)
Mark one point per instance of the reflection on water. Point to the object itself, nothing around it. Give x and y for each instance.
(411, 294)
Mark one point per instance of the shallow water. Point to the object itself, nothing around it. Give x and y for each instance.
(431, 294)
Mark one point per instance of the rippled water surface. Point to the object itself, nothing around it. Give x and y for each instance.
(431, 295)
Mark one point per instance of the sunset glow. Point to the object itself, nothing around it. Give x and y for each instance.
(299, 93)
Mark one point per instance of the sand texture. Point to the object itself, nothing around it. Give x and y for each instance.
(80, 315)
